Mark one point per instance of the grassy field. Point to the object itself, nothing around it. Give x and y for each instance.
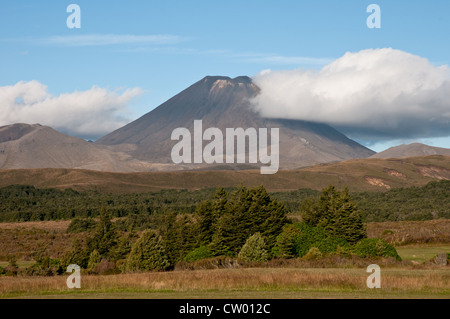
(239, 283)
(414, 279)
(421, 253)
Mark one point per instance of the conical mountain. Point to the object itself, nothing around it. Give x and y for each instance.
(223, 102)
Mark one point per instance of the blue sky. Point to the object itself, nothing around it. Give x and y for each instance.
(162, 47)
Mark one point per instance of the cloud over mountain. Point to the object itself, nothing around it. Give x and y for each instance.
(370, 94)
(90, 113)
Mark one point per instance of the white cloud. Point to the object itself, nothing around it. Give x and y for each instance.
(369, 94)
(89, 114)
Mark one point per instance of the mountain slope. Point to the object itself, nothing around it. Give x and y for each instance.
(37, 146)
(222, 102)
(410, 150)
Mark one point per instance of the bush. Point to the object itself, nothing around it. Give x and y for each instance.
(316, 237)
(2, 271)
(202, 252)
(106, 267)
(312, 254)
(374, 247)
(94, 259)
(254, 249)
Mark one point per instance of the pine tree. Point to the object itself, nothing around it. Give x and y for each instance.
(219, 243)
(77, 255)
(286, 241)
(205, 218)
(104, 238)
(148, 254)
(123, 247)
(248, 211)
(335, 212)
(179, 235)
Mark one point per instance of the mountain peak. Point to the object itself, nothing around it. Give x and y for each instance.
(238, 79)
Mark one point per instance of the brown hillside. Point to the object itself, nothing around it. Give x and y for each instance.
(358, 175)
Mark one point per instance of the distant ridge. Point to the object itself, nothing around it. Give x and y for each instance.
(358, 175)
(411, 150)
(38, 146)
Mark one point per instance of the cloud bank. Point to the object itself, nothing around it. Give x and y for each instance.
(371, 94)
(90, 114)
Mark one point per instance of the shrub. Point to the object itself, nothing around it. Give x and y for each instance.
(254, 249)
(147, 254)
(316, 237)
(374, 247)
(105, 267)
(313, 253)
(94, 259)
(202, 252)
(208, 263)
(2, 271)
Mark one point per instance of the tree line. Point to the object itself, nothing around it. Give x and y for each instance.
(245, 224)
(27, 203)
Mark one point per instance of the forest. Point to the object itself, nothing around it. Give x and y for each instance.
(235, 226)
(26, 203)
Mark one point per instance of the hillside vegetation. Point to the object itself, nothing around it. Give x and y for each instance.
(27, 203)
(237, 227)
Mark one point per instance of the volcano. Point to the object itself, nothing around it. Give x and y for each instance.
(222, 102)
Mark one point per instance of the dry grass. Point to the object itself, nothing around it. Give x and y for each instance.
(401, 282)
(24, 241)
(411, 232)
(50, 226)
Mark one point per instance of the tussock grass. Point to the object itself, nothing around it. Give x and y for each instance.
(402, 282)
(411, 232)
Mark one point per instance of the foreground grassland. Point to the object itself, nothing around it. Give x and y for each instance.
(421, 253)
(240, 283)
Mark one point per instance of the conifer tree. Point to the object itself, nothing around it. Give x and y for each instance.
(335, 212)
(286, 241)
(77, 255)
(147, 254)
(104, 238)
